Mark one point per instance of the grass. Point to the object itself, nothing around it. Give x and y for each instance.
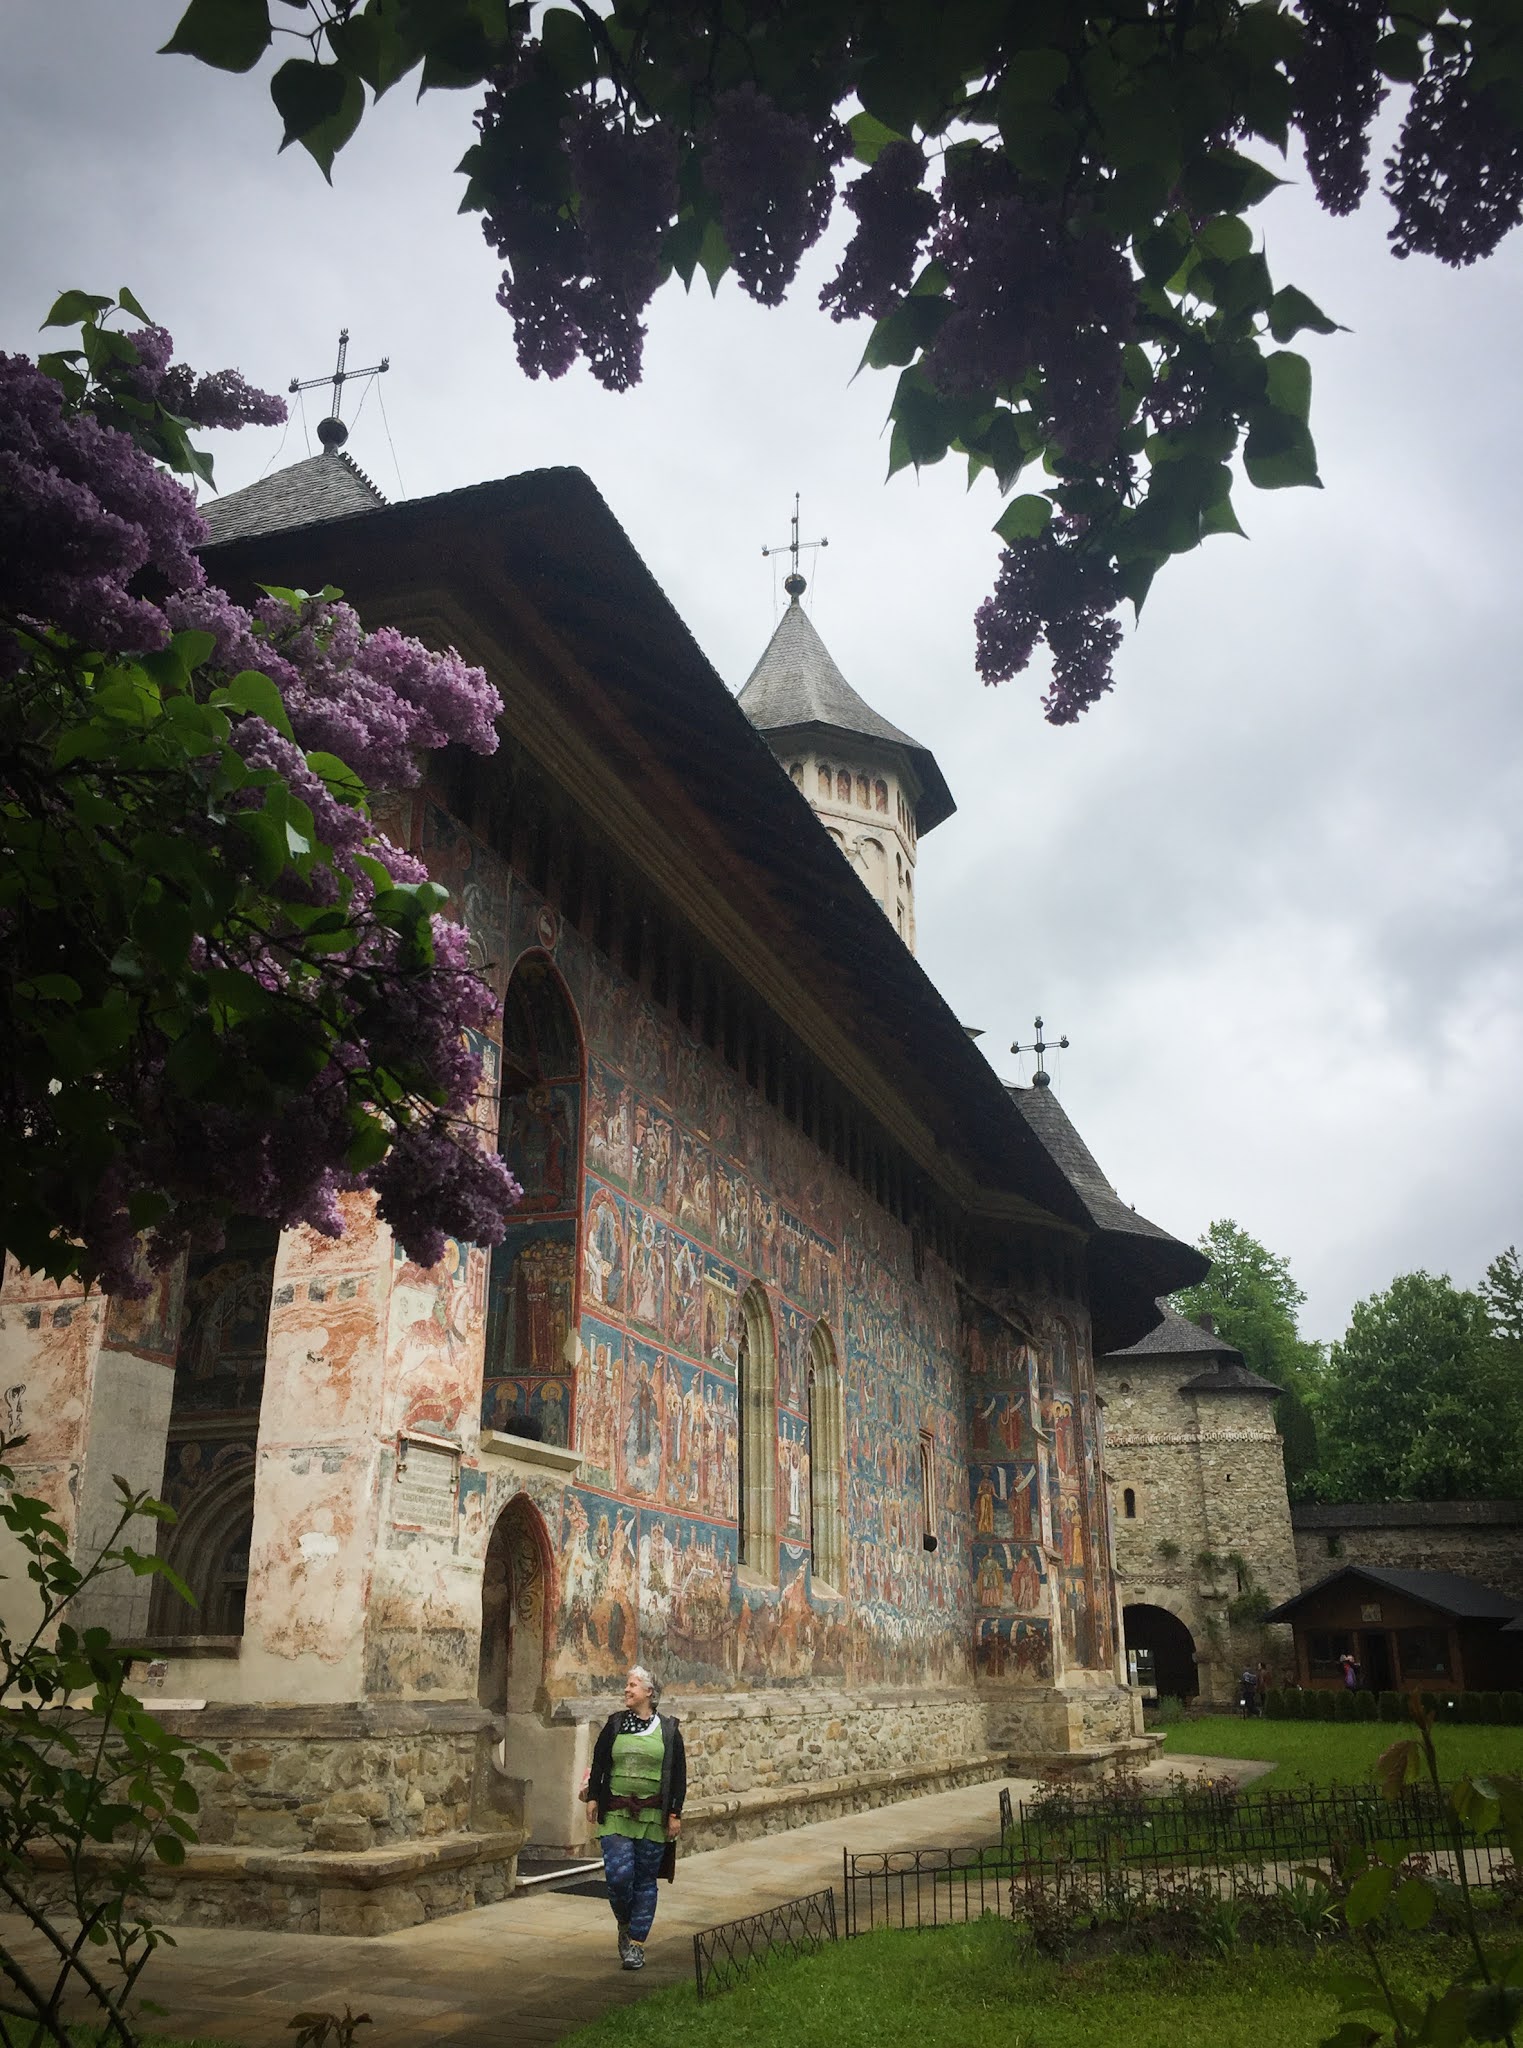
(1337, 1752)
(978, 1987)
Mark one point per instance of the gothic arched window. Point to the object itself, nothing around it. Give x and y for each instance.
(827, 1435)
(825, 779)
(756, 1397)
(843, 785)
(1129, 1503)
(880, 794)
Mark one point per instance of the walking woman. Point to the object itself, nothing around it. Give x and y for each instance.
(635, 1793)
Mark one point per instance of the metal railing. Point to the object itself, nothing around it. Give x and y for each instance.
(724, 1956)
(924, 1887)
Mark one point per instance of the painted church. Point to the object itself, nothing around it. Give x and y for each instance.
(782, 1382)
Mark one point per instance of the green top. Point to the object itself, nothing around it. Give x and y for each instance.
(637, 1761)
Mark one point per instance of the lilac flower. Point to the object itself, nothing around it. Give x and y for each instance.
(770, 173)
(894, 215)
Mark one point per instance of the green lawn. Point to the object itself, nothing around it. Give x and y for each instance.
(1338, 1752)
(976, 1987)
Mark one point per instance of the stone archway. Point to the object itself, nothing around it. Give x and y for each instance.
(514, 1611)
(1170, 1646)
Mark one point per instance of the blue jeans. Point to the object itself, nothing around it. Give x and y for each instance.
(632, 1869)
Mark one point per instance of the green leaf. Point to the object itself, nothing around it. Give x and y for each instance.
(340, 779)
(321, 105)
(1288, 385)
(1492, 2011)
(1224, 181)
(1400, 57)
(870, 137)
(713, 254)
(1024, 517)
(1279, 453)
(129, 304)
(370, 45)
(70, 309)
(231, 35)
(370, 1144)
(1416, 1903)
(1034, 75)
(1291, 310)
(1368, 1895)
(253, 692)
(568, 47)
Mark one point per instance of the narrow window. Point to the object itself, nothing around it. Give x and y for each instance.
(827, 1435)
(756, 1397)
(1129, 1503)
(928, 1538)
(824, 779)
(843, 786)
(864, 793)
(880, 795)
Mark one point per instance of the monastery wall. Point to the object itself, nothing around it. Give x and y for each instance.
(1481, 1540)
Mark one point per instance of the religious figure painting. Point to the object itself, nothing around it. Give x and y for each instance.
(793, 1477)
(598, 1625)
(604, 1252)
(685, 1290)
(543, 1404)
(732, 1212)
(599, 1401)
(719, 1449)
(530, 1292)
(479, 883)
(764, 1235)
(721, 1315)
(682, 1433)
(647, 1271)
(693, 1187)
(608, 1121)
(687, 1571)
(539, 1141)
(651, 1154)
(644, 1396)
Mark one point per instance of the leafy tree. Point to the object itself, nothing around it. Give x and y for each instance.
(221, 987)
(1253, 1301)
(1418, 1402)
(1053, 231)
(1502, 1292)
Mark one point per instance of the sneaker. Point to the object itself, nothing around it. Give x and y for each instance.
(634, 1955)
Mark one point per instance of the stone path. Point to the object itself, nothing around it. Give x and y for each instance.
(530, 1970)
(1159, 1775)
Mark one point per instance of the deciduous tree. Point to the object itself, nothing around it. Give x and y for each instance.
(222, 989)
(1053, 210)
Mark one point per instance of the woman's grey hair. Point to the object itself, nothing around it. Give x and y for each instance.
(646, 1678)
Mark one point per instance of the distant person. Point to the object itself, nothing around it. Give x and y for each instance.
(634, 1793)
(1263, 1683)
(1350, 1672)
(1248, 1693)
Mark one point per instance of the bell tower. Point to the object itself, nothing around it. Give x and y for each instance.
(873, 788)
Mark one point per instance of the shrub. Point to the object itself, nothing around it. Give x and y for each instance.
(1366, 1706)
(1472, 1707)
(1274, 1704)
(1512, 1709)
(1343, 1704)
(1326, 1707)
(1392, 1706)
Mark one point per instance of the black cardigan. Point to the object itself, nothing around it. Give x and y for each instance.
(673, 1766)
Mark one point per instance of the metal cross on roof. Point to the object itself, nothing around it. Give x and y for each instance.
(793, 582)
(1041, 1079)
(331, 431)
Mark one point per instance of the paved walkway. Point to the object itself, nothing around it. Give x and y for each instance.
(536, 1968)
(530, 1970)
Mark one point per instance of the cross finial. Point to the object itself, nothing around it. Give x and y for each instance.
(1040, 1079)
(331, 431)
(793, 582)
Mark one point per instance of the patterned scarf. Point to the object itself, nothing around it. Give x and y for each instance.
(636, 1724)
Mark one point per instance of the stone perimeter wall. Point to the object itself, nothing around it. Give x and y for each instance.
(1491, 1552)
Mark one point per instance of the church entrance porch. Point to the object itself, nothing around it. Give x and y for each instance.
(1164, 1651)
(537, 1766)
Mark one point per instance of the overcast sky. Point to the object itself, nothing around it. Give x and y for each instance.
(1270, 888)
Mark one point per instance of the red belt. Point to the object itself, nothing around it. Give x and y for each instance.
(631, 1803)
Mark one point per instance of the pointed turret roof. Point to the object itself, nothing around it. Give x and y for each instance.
(796, 686)
(327, 486)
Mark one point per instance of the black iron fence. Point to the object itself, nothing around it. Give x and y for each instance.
(924, 1887)
(723, 1956)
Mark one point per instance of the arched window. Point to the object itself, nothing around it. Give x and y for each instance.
(843, 786)
(825, 781)
(531, 1291)
(827, 1435)
(1129, 1503)
(864, 793)
(796, 770)
(928, 1535)
(880, 794)
(756, 1398)
(213, 1431)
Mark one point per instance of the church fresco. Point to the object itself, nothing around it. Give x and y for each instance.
(692, 1191)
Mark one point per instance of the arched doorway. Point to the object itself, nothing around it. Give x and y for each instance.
(513, 1611)
(1165, 1651)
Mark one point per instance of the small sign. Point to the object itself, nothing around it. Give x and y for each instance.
(424, 1493)
(1370, 1611)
